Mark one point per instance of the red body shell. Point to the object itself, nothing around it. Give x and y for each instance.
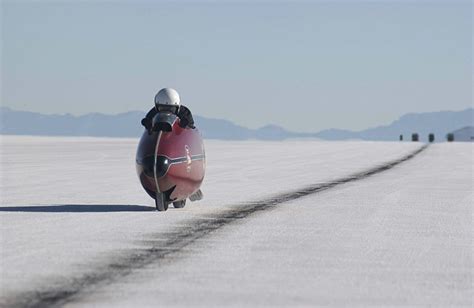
(184, 152)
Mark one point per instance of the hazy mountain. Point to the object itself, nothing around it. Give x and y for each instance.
(464, 134)
(92, 124)
(128, 125)
(439, 123)
(337, 134)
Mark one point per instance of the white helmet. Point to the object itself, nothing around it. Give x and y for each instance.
(167, 96)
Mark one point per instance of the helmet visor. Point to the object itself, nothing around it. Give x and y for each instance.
(167, 108)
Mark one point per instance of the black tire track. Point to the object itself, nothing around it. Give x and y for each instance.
(74, 288)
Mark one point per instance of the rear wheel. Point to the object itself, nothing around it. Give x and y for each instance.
(179, 204)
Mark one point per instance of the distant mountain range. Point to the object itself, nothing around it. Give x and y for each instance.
(439, 123)
(127, 124)
(464, 134)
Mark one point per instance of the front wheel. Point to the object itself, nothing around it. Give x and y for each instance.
(160, 202)
(179, 204)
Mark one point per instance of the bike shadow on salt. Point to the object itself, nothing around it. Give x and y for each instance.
(78, 208)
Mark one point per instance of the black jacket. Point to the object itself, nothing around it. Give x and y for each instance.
(184, 115)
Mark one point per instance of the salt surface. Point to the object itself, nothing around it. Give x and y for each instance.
(306, 247)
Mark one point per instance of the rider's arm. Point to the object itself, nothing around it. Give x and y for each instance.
(147, 120)
(185, 117)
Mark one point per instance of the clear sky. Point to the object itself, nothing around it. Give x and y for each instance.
(303, 65)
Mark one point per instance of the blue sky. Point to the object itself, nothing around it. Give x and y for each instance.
(303, 65)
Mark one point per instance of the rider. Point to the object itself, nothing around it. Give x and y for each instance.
(167, 100)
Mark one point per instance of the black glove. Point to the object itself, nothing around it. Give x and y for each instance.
(183, 123)
(185, 117)
(147, 123)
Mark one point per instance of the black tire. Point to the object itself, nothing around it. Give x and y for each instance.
(160, 202)
(179, 204)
